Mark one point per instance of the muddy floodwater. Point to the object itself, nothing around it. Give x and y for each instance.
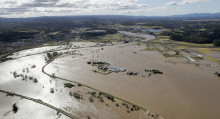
(139, 35)
(30, 63)
(183, 91)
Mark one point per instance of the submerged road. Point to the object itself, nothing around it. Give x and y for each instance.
(59, 78)
(40, 102)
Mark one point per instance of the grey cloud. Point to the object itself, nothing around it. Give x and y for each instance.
(38, 4)
(41, 3)
(185, 2)
(171, 3)
(10, 2)
(47, 1)
(52, 6)
(7, 11)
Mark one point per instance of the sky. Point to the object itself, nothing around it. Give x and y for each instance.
(35, 8)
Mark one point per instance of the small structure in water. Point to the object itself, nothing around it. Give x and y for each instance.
(154, 71)
(132, 73)
(94, 62)
(51, 90)
(217, 74)
(116, 69)
(103, 67)
(190, 58)
(126, 41)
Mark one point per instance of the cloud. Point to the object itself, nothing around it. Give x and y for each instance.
(27, 8)
(46, 0)
(156, 9)
(170, 3)
(185, 2)
(8, 11)
(71, 6)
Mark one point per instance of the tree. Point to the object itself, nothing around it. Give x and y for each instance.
(217, 42)
(50, 56)
(53, 74)
(54, 54)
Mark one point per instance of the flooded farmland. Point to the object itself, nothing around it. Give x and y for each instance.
(29, 64)
(181, 90)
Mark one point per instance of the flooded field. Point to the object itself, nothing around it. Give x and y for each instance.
(139, 35)
(181, 90)
(29, 64)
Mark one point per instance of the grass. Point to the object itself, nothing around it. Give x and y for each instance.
(108, 38)
(156, 41)
(204, 51)
(147, 27)
(152, 49)
(180, 47)
(142, 44)
(157, 33)
(164, 39)
(211, 59)
(193, 44)
(215, 49)
(52, 43)
(168, 46)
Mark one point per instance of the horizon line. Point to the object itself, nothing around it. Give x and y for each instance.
(110, 15)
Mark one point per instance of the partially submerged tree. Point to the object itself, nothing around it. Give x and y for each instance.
(50, 56)
(14, 108)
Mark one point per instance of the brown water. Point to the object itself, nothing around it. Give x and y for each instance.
(41, 90)
(184, 91)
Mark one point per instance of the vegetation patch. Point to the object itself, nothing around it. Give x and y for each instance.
(211, 59)
(117, 104)
(194, 44)
(79, 85)
(142, 44)
(77, 95)
(91, 99)
(164, 39)
(152, 49)
(107, 96)
(180, 47)
(204, 51)
(93, 94)
(68, 85)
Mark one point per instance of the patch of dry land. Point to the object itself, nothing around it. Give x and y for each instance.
(182, 89)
